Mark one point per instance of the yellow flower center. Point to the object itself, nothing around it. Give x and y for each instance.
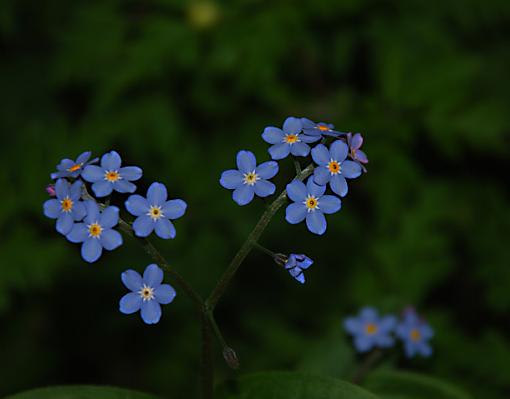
(95, 230)
(67, 204)
(334, 167)
(415, 335)
(323, 128)
(112, 176)
(155, 212)
(371, 329)
(75, 167)
(250, 178)
(147, 293)
(311, 203)
(291, 138)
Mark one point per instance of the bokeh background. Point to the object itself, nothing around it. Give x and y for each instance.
(178, 88)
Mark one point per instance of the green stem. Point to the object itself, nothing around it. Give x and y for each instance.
(264, 249)
(207, 359)
(370, 361)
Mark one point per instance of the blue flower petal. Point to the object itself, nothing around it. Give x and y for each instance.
(52, 208)
(111, 239)
(356, 141)
(231, 179)
(143, 226)
(65, 223)
(272, 135)
(267, 170)
(164, 294)
(292, 125)
(338, 150)
(83, 157)
(314, 189)
(295, 213)
(320, 155)
(137, 205)
(109, 217)
(279, 151)
(300, 149)
(130, 173)
(75, 191)
(124, 186)
(352, 326)
(316, 222)
(62, 188)
(363, 343)
(426, 331)
(410, 349)
(130, 303)
(368, 315)
(383, 340)
(305, 138)
(132, 280)
(339, 185)
(93, 173)
(387, 323)
(321, 175)
(296, 191)
(351, 169)
(102, 188)
(92, 211)
(330, 204)
(174, 209)
(246, 161)
(78, 233)
(153, 275)
(165, 229)
(264, 188)
(424, 349)
(91, 250)
(151, 312)
(361, 156)
(157, 194)
(111, 161)
(243, 195)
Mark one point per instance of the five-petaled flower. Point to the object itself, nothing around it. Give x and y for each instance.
(310, 128)
(295, 265)
(147, 293)
(415, 334)
(249, 179)
(155, 212)
(111, 176)
(67, 207)
(311, 204)
(355, 142)
(333, 167)
(290, 140)
(96, 232)
(69, 168)
(370, 330)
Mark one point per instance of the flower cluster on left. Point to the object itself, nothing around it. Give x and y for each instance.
(80, 205)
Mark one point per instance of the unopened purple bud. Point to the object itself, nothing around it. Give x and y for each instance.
(50, 189)
(231, 358)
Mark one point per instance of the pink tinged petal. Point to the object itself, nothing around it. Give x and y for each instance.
(164, 294)
(174, 209)
(165, 229)
(272, 135)
(153, 275)
(151, 312)
(296, 191)
(78, 233)
(231, 179)
(124, 186)
(111, 239)
(91, 250)
(243, 195)
(137, 205)
(246, 161)
(264, 188)
(111, 161)
(316, 222)
(292, 125)
(62, 188)
(267, 170)
(130, 173)
(339, 185)
(330, 204)
(351, 169)
(65, 223)
(93, 173)
(295, 213)
(102, 188)
(300, 149)
(143, 226)
(130, 303)
(315, 189)
(320, 155)
(361, 156)
(321, 175)
(157, 194)
(109, 217)
(339, 150)
(279, 151)
(356, 141)
(132, 280)
(75, 191)
(52, 208)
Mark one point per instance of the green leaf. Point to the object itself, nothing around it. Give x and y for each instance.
(82, 392)
(405, 385)
(286, 385)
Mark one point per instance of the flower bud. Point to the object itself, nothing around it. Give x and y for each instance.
(231, 358)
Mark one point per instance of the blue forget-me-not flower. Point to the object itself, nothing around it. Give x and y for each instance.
(69, 168)
(415, 334)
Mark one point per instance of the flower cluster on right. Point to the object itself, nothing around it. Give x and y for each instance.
(370, 330)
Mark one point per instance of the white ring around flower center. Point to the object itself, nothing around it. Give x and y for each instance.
(250, 178)
(112, 176)
(155, 212)
(291, 138)
(95, 230)
(334, 167)
(67, 204)
(311, 202)
(146, 293)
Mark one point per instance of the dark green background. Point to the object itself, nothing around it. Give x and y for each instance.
(178, 88)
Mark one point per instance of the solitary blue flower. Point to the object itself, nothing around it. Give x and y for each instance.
(290, 140)
(311, 204)
(67, 207)
(249, 179)
(96, 232)
(333, 167)
(110, 176)
(370, 331)
(155, 212)
(69, 168)
(415, 334)
(355, 142)
(147, 293)
(296, 264)
(313, 129)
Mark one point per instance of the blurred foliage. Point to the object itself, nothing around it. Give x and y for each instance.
(179, 87)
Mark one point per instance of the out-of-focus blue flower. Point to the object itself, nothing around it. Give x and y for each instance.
(69, 168)
(415, 333)
(96, 232)
(355, 142)
(311, 204)
(333, 167)
(249, 179)
(290, 140)
(110, 176)
(296, 264)
(67, 207)
(148, 294)
(369, 330)
(310, 128)
(155, 212)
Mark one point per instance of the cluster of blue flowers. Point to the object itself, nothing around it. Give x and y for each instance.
(83, 218)
(337, 156)
(369, 331)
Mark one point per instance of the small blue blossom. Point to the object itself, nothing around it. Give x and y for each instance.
(415, 334)
(333, 167)
(296, 264)
(110, 176)
(311, 204)
(69, 168)
(313, 129)
(148, 294)
(355, 142)
(290, 140)
(370, 330)
(155, 212)
(96, 232)
(249, 179)
(67, 207)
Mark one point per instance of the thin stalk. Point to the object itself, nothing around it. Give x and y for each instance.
(264, 249)
(207, 359)
(370, 361)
